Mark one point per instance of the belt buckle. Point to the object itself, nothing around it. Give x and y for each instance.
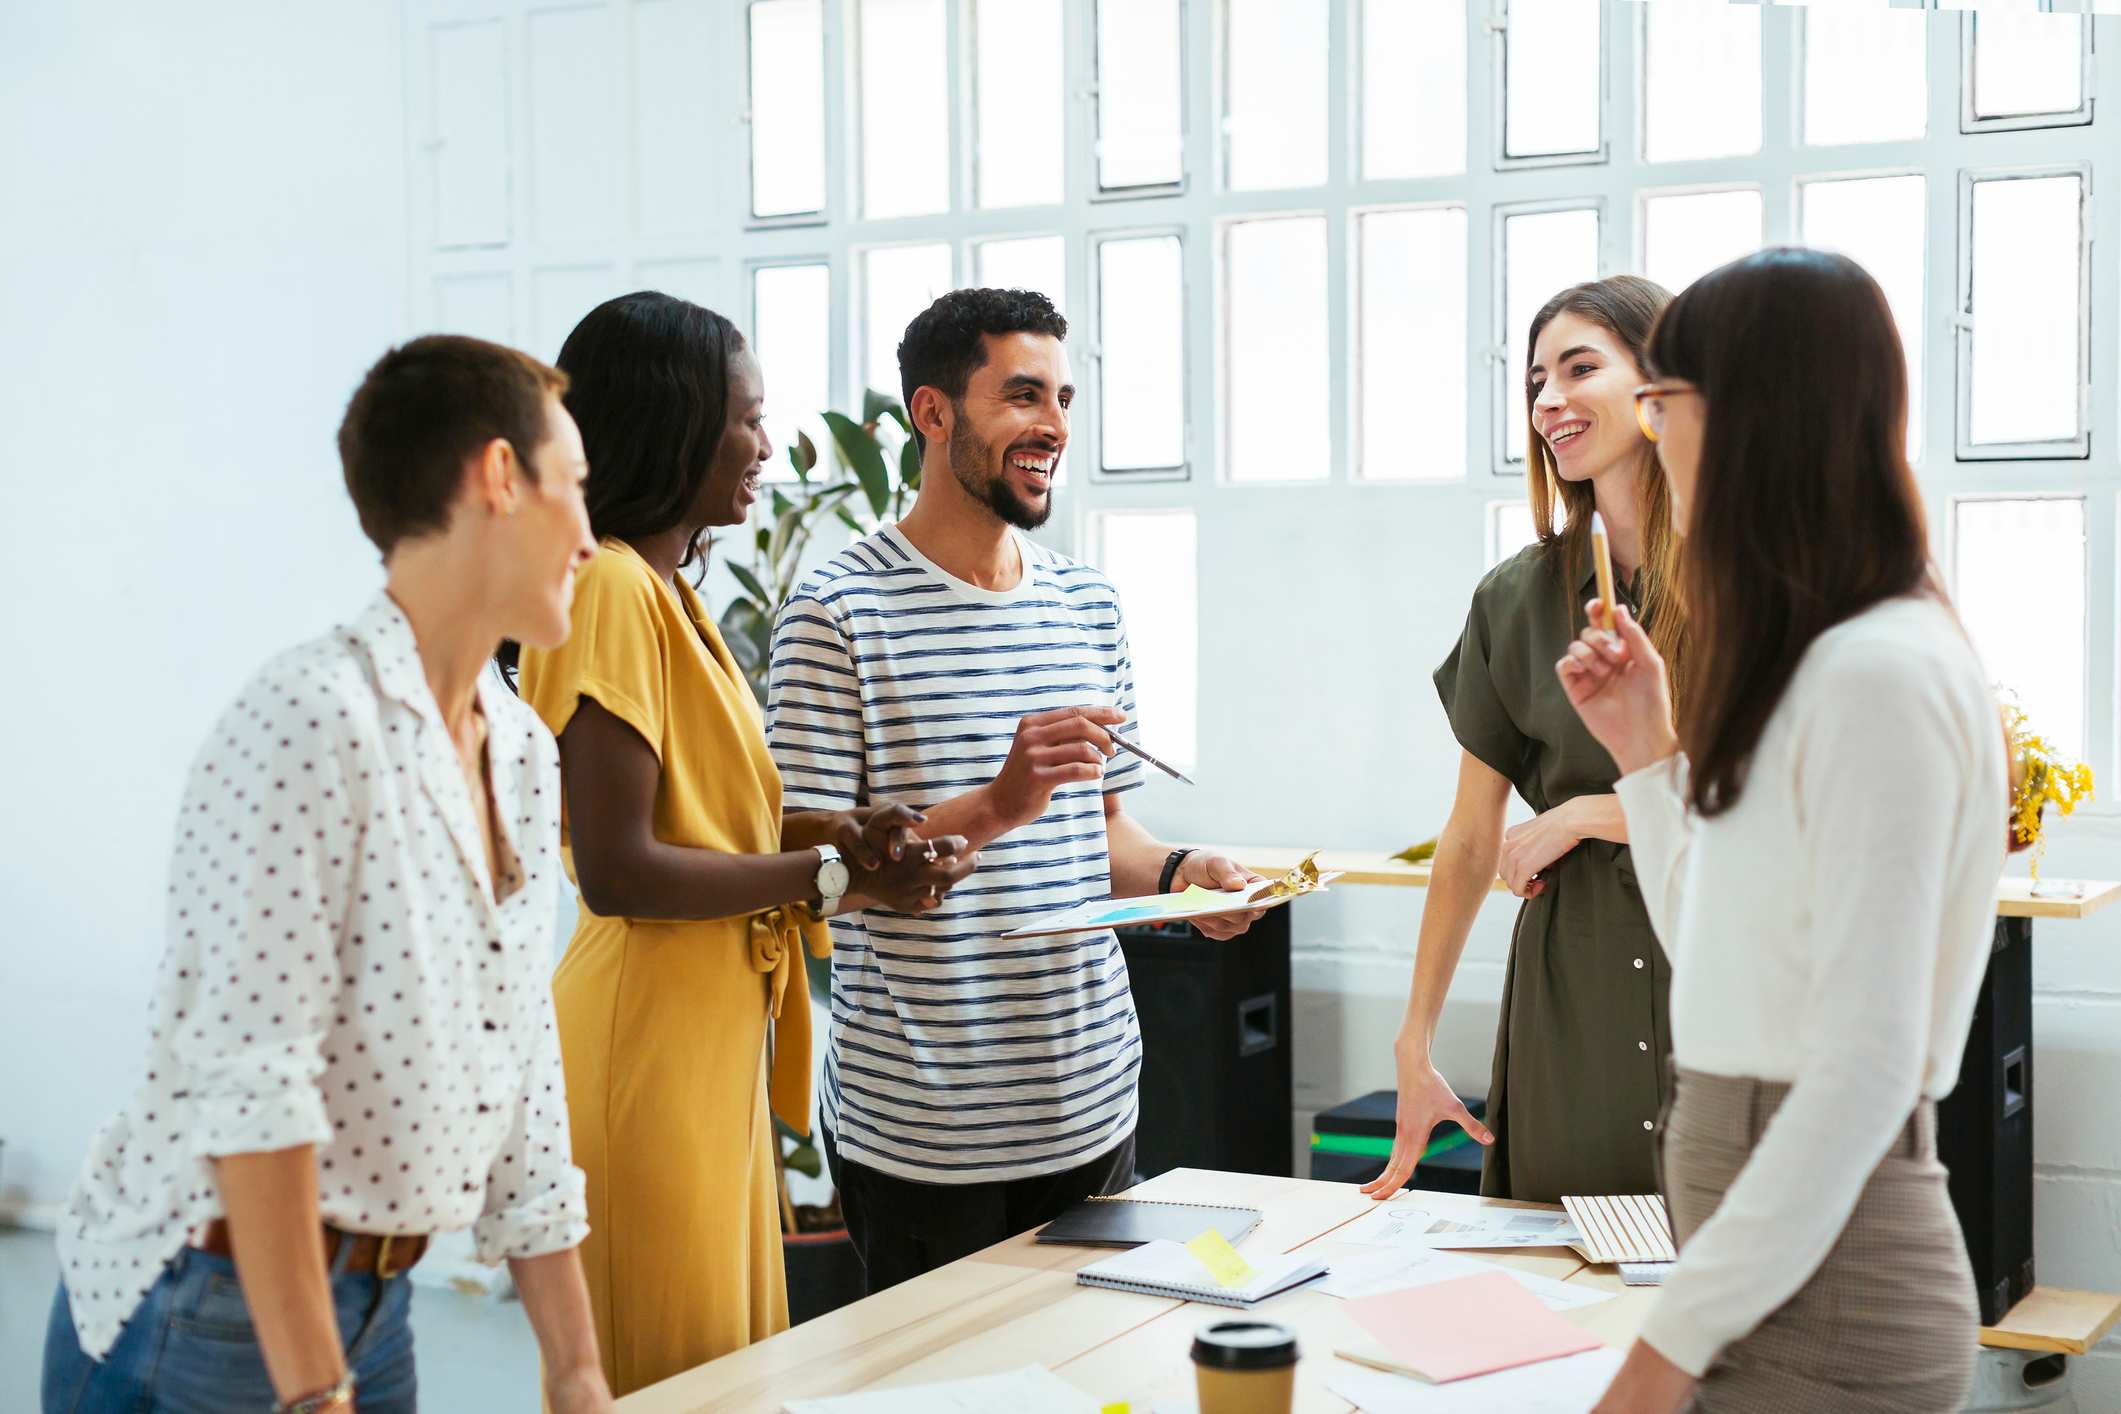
(383, 1257)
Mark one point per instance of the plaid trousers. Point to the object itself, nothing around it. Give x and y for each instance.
(1888, 1324)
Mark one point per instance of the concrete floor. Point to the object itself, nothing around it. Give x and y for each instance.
(475, 1352)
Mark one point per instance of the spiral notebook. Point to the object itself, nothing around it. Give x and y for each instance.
(1129, 1222)
(1166, 1268)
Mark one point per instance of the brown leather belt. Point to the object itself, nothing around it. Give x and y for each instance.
(372, 1254)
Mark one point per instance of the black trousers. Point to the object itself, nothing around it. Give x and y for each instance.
(901, 1228)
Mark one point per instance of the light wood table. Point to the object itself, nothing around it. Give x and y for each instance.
(2048, 1319)
(1018, 1304)
(2014, 897)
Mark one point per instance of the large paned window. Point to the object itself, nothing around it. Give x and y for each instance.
(1299, 244)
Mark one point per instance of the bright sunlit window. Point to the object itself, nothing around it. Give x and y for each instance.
(1140, 94)
(1412, 348)
(1688, 234)
(1543, 253)
(1141, 353)
(1022, 119)
(2018, 579)
(1413, 88)
(905, 108)
(1274, 93)
(791, 333)
(1553, 79)
(1152, 559)
(1866, 74)
(1878, 222)
(1275, 349)
(787, 107)
(1701, 80)
(2024, 373)
(898, 282)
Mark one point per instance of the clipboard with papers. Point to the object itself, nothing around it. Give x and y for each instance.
(1195, 902)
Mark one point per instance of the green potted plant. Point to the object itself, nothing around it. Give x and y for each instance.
(874, 479)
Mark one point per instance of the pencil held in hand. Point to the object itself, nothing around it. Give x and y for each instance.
(1602, 558)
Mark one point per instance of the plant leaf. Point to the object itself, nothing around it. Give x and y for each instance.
(803, 455)
(803, 1159)
(847, 519)
(781, 504)
(876, 405)
(897, 411)
(752, 587)
(864, 458)
(909, 466)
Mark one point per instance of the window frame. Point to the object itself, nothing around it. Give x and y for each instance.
(1094, 310)
(1496, 26)
(2097, 745)
(2080, 116)
(1147, 191)
(1964, 448)
(823, 215)
(1498, 353)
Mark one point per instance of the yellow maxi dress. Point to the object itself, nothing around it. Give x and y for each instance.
(666, 1028)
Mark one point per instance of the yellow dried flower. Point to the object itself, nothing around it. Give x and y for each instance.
(2040, 777)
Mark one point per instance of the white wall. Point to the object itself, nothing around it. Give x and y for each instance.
(204, 247)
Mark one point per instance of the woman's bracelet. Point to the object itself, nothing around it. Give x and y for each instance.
(339, 1396)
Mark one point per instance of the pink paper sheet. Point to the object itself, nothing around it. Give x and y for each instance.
(1451, 1330)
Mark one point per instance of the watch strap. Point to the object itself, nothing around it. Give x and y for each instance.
(1178, 857)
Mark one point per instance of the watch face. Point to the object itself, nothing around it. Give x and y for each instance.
(833, 878)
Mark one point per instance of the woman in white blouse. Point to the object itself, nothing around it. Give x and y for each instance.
(1818, 839)
(351, 1044)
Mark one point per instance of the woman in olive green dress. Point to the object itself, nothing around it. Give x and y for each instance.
(1580, 1049)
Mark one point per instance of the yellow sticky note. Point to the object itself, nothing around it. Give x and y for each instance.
(1214, 1252)
(1119, 1408)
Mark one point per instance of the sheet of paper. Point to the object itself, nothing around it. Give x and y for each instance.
(1396, 1268)
(1476, 1325)
(1570, 1385)
(1412, 1225)
(1031, 1390)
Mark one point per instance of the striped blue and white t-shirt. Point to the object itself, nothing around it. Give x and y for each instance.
(957, 1057)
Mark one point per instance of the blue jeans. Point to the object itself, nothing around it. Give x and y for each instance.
(190, 1348)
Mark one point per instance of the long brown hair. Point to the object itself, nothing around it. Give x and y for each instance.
(1805, 511)
(1625, 306)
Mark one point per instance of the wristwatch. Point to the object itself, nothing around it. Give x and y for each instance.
(1170, 874)
(832, 880)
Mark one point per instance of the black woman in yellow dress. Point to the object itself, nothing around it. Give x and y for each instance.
(683, 1009)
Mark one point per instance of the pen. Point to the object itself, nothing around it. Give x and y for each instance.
(1602, 560)
(1125, 745)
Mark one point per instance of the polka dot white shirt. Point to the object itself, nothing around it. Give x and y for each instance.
(339, 973)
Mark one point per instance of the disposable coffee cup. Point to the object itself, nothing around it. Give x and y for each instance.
(1245, 1367)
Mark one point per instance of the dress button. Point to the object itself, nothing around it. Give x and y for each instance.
(1649, 1124)
(1642, 1045)
(1638, 962)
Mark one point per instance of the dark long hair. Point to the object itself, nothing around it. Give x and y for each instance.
(648, 384)
(1625, 306)
(1805, 511)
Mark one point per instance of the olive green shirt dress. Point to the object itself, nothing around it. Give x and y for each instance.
(1580, 1048)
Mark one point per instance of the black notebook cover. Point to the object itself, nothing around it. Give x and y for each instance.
(1129, 1222)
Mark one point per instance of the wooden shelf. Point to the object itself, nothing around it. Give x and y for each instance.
(2056, 1321)
(2014, 897)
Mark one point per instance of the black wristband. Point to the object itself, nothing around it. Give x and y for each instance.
(1178, 857)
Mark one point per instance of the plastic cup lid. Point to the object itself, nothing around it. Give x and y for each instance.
(1244, 1345)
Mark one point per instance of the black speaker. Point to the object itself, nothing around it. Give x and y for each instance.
(1215, 1075)
(1985, 1127)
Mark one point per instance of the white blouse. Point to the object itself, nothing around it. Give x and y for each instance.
(1829, 931)
(338, 973)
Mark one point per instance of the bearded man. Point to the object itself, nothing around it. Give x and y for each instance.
(976, 1087)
